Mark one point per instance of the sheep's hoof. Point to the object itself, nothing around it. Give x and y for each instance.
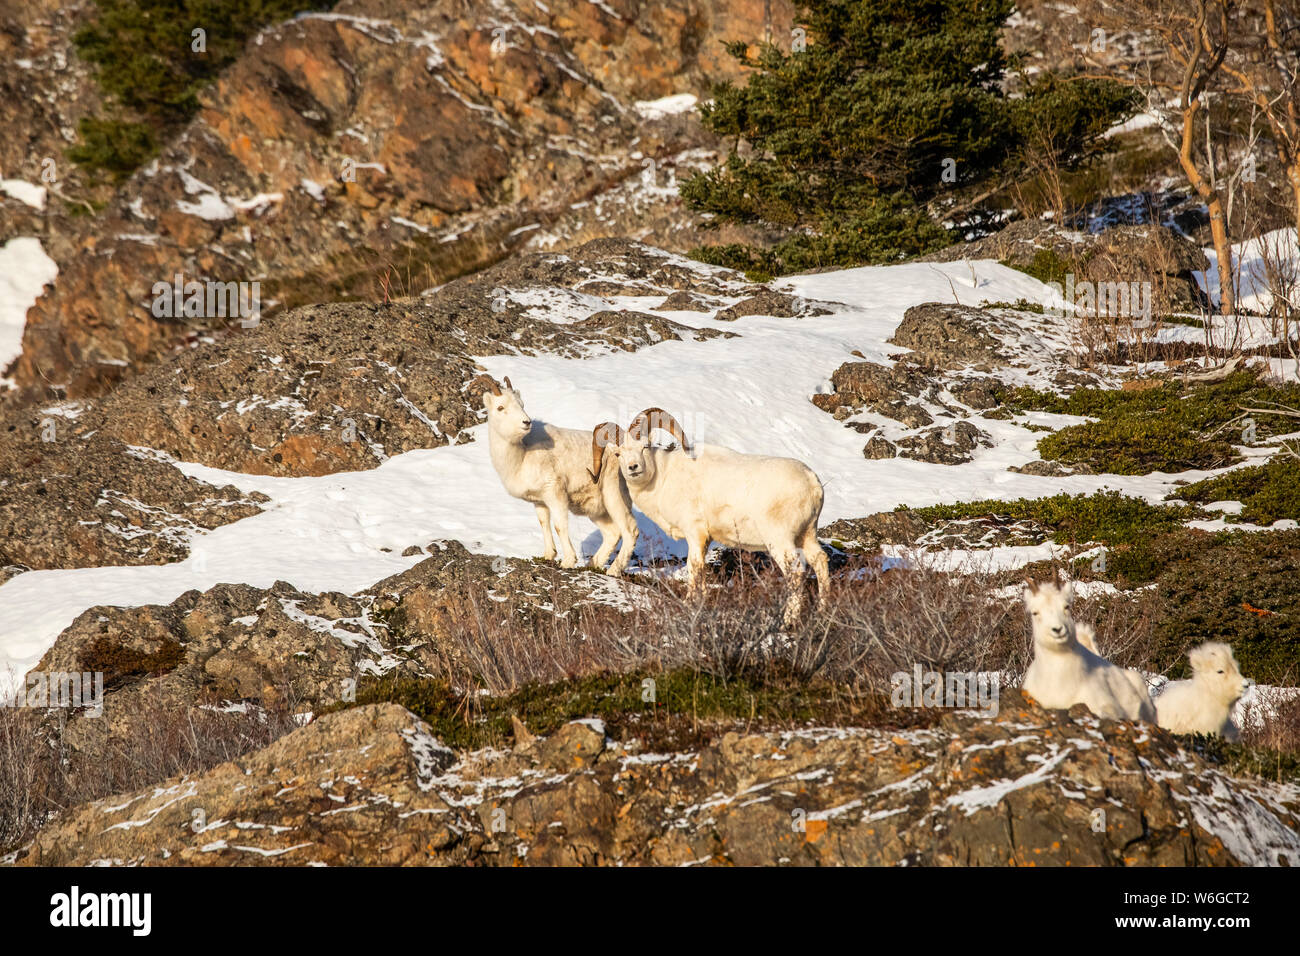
(569, 563)
(614, 572)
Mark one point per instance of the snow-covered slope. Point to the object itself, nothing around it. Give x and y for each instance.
(751, 392)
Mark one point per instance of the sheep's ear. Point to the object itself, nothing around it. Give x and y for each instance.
(1068, 591)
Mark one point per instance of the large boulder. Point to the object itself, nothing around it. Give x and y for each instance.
(947, 336)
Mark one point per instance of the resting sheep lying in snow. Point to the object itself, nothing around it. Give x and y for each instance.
(1203, 704)
(711, 493)
(547, 465)
(1065, 673)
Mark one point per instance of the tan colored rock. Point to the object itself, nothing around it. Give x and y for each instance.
(372, 785)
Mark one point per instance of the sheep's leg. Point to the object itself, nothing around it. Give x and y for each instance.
(630, 533)
(560, 514)
(608, 538)
(697, 548)
(812, 551)
(544, 519)
(792, 568)
(617, 503)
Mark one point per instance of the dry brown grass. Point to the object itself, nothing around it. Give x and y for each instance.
(40, 774)
(874, 624)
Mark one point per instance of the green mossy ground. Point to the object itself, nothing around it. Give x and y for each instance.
(1239, 587)
(1171, 427)
(1267, 492)
(687, 709)
(1105, 518)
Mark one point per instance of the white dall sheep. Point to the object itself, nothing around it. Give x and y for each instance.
(711, 493)
(1065, 673)
(547, 465)
(1203, 705)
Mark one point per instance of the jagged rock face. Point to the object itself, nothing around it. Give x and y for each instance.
(1027, 787)
(45, 89)
(382, 147)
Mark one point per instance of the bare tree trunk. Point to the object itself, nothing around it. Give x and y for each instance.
(1202, 63)
(1293, 174)
(1214, 202)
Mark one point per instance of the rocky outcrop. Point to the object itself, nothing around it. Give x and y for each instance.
(283, 648)
(770, 302)
(890, 391)
(942, 338)
(72, 496)
(869, 533)
(345, 386)
(373, 785)
(951, 445)
(946, 336)
(1126, 253)
(380, 148)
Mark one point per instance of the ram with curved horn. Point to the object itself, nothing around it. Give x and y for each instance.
(711, 493)
(548, 466)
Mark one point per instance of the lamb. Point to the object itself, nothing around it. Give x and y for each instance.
(547, 465)
(1064, 672)
(1203, 705)
(753, 502)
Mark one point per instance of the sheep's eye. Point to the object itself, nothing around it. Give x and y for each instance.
(501, 408)
(1220, 672)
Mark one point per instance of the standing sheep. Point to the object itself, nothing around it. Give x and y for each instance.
(547, 465)
(1065, 673)
(1203, 705)
(711, 493)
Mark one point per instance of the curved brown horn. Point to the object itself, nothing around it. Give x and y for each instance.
(488, 381)
(604, 434)
(653, 418)
(508, 385)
